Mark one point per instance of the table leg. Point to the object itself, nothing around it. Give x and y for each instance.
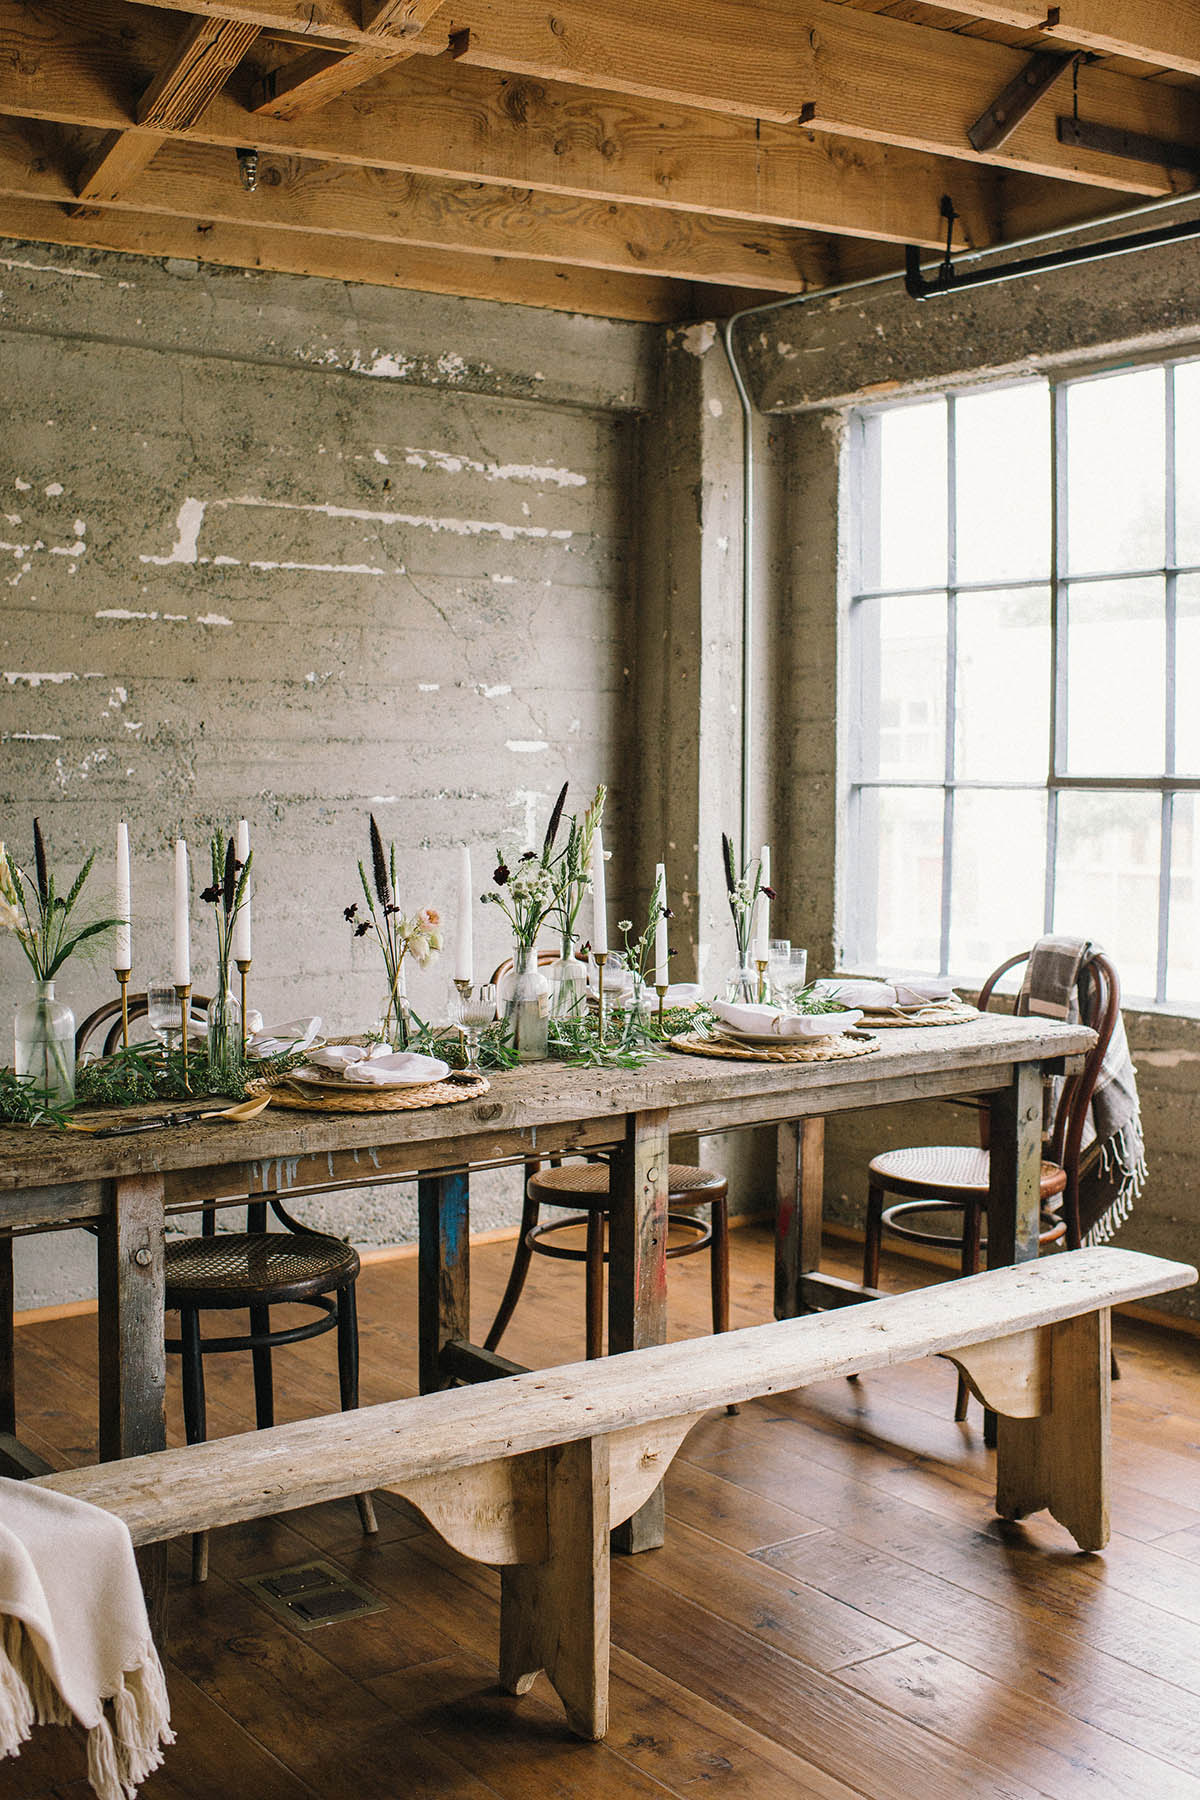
(8, 1376)
(1016, 1165)
(444, 1272)
(133, 1362)
(800, 1175)
(637, 1273)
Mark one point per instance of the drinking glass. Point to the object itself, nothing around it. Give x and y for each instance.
(473, 1013)
(162, 1012)
(779, 952)
(797, 970)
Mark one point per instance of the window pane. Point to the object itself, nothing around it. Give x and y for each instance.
(899, 900)
(1183, 943)
(1187, 675)
(997, 889)
(1002, 480)
(1107, 879)
(1187, 462)
(1116, 472)
(912, 496)
(1002, 716)
(1116, 674)
(903, 693)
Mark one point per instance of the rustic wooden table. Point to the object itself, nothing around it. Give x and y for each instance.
(126, 1187)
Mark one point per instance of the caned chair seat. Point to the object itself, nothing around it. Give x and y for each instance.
(936, 1171)
(243, 1268)
(586, 1185)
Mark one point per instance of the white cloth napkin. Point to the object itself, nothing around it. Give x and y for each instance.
(682, 993)
(279, 1040)
(768, 1021)
(340, 1056)
(404, 1069)
(912, 990)
(75, 1641)
(875, 996)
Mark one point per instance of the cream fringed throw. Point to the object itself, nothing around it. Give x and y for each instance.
(75, 1641)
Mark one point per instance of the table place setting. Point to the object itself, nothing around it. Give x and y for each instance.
(900, 1000)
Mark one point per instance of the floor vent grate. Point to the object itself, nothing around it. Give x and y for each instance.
(313, 1593)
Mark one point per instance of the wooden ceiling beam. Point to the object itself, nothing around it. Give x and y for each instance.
(319, 76)
(1163, 33)
(857, 74)
(197, 182)
(593, 291)
(436, 118)
(211, 50)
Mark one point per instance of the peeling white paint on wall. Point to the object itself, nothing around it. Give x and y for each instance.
(504, 580)
(699, 338)
(423, 687)
(12, 676)
(209, 619)
(448, 463)
(494, 693)
(193, 513)
(31, 737)
(525, 747)
(13, 262)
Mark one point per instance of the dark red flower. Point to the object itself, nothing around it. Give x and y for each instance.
(211, 894)
(500, 874)
(768, 891)
(351, 913)
(362, 928)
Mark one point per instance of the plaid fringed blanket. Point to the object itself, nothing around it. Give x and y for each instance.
(1111, 1180)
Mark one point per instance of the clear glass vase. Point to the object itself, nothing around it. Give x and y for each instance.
(527, 1006)
(395, 1017)
(44, 1030)
(225, 1052)
(568, 984)
(742, 986)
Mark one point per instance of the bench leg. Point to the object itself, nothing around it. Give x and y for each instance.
(1061, 1459)
(637, 1274)
(554, 1615)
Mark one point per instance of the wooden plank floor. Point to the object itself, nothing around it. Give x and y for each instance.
(836, 1612)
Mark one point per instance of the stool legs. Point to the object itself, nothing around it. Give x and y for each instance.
(522, 1258)
(195, 1418)
(264, 1387)
(347, 1343)
(874, 1236)
(594, 1276)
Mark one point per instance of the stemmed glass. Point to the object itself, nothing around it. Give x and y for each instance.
(473, 1013)
(162, 1012)
(779, 952)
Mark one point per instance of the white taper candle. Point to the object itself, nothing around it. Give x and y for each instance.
(464, 954)
(599, 899)
(241, 925)
(123, 955)
(183, 940)
(661, 955)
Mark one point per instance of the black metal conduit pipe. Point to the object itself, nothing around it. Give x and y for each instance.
(919, 287)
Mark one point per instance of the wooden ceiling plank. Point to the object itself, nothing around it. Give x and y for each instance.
(175, 99)
(1164, 33)
(857, 74)
(201, 183)
(590, 291)
(312, 81)
(466, 124)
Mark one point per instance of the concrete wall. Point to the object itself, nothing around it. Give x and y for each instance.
(808, 366)
(301, 551)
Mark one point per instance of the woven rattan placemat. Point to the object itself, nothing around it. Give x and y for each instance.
(366, 1100)
(938, 1012)
(832, 1049)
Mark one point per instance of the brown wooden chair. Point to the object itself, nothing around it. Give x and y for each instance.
(933, 1181)
(584, 1185)
(250, 1271)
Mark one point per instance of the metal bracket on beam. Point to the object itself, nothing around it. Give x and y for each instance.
(1110, 140)
(1001, 119)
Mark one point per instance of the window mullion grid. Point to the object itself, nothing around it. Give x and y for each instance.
(1170, 600)
(951, 681)
(1057, 747)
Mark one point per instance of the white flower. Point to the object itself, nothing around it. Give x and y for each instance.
(10, 918)
(624, 924)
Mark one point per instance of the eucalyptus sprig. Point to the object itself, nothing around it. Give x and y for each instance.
(24, 1102)
(496, 1049)
(32, 908)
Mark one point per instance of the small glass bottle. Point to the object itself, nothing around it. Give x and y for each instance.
(44, 1033)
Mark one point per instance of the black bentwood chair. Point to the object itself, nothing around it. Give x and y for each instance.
(251, 1271)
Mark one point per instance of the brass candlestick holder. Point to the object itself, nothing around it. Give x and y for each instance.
(600, 957)
(184, 997)
(243, 968)
(122, 976)
(761, 966)
(463, 984)
(662, 1001)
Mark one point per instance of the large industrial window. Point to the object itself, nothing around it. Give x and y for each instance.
(1025, 638)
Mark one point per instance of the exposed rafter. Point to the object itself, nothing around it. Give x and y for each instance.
(319, 76)
(176, 98)
(1164, 33)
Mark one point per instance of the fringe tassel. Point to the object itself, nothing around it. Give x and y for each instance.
(127, 1744)
(1123, 1160)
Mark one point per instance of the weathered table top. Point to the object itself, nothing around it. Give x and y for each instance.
(541, 1107)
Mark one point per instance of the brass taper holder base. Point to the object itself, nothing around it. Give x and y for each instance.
(662, 1001)
(122, 976)
(184, 997)
(243, 968)
(464, 987)
(600, 957)
(761, 966)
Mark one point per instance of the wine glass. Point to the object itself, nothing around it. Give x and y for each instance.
(779, 952)
(162, 1012)
(473, 1012)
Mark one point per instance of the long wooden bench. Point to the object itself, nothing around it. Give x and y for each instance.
(531, 1472)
